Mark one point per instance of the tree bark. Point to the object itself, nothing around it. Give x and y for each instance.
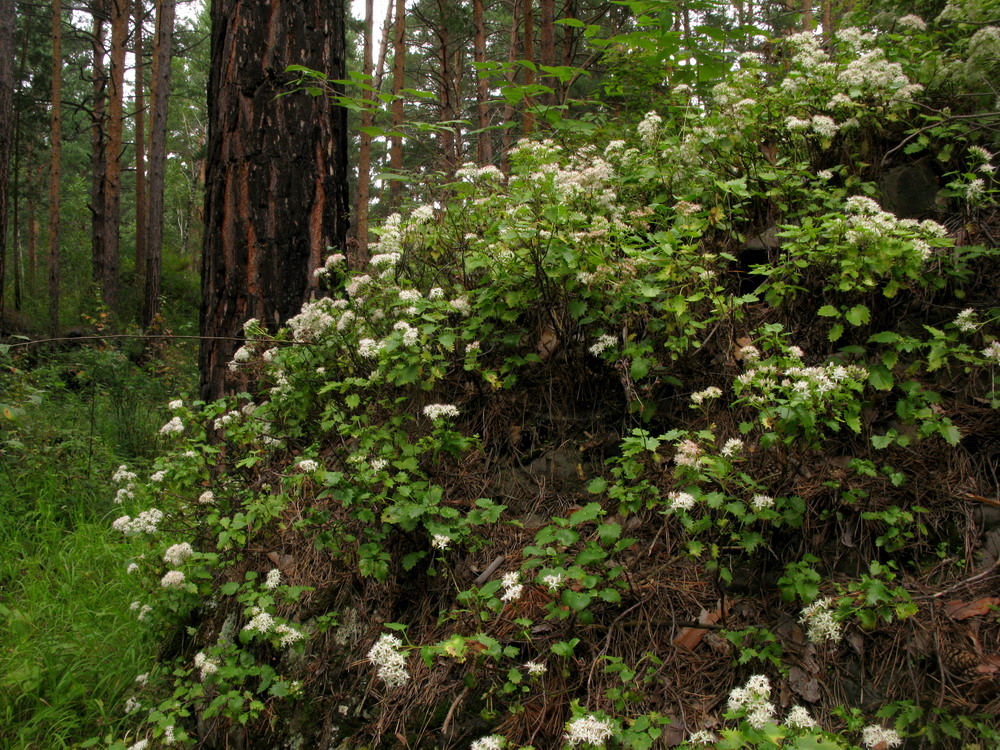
(807, 15)
(6, 133)
(159, 96)
(484, 141)
(528, 116)
(365, 148)
(113, 161)
(547, 43)
(276, 196)
(98, 158)
(507, 135)
(140, 145)
(55, 167)
(446, 136)
(398, 73)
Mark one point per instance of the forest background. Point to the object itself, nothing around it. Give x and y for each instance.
(695, 206)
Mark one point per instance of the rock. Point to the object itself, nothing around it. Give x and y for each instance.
(909, 190)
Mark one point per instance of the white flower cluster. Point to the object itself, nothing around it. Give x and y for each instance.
(307, 466)
(390, 240)
(535, 669)
(145, 523)
(992, 352)
(912, 22)
(688, 453)
(314, 320)
(173, 426)
(205, 665)
(702, 737)
(206, 498)
(799, 718)
(440, 411)
(710, 392)
(288, 635)
(589, 730)
(410, 334)
(603, 343)
(732, 447)
(966, 321)
(172, 579)
(752, 700)
(473, 173)
(273, 579)
(874, 735)
(240, 357)
(760, 502)
(512, 587)
(387, 655)
(553, 580)
(649, 128)
(177, 554)
(681, 501)
(821, 622)
(261, 622)
(490, 742)
(158, 476)
(440, 541)
(421, 215)
(123, 475)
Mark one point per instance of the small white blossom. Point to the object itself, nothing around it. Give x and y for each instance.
(799, 718)
(490, 742)
(912, 22)
(649, 127)
(820, 621)
(732, 447)
(553, 580)
(874, 735)
(273, 579)
(173, 579)
(966, 320)
(174, 425)
(992, 352)
(157, 476)
(132, 704)
(440, 541)
(261, 622)
(206, 498)
(687, 453)
(589, 730)
(440, 411)
(288, 635)
(387, 655)
(177, 554)
(122, 475)
(176, 404)
(759, 502)
(132, 568)
(307, 465)
(606, 341)
(681, 500)
(140, 745)
(535, 669)
(205, 665)
(461, 305)
(702, 737)
(142, 679)
(710, 392)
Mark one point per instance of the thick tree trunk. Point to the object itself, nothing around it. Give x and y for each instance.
(507, 137)
(484, 142)
(807, 15)
(528, 116)
(446, 136)
(6, 133)
(140, 145)
(365, 149)
(55, 168)
(276, 196)
(159, 94)
(398, 73)
(547, 43)
(113, 169)
(98, 158)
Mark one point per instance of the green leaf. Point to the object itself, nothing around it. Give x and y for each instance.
(836, 331)
(597, 485)
(950, 433)
(828, 311)
(858, 315)
(575, 600)
(229, 588)
(586, 514)
(880, 378)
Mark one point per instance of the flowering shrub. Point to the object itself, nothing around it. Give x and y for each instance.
(362, 464)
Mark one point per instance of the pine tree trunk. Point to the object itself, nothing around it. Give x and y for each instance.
(140, 146)
(98, 158)
(113, 161)
(528, 116)
(6, 133)
(55, 168)
(398, 72)
(276, 196)
(807, 15)
(484, 141)
(365, 148)
(507, 136)
(547, 43)
(159, 97)
(446, 136)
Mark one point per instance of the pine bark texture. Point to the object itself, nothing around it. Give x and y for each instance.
(398, 73)
(365, 147)
(547, 44)
(276, 195)
(484, 142)
(113, 162)
(159, 96)
(98, 160)
(6, 132)
(55, 167)
(528, 115)
(140, 145)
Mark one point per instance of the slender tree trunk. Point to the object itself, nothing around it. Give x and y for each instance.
(6, 133)
(18, 180)
(547, 43)
(484, 141)
(162, 51)
(112, 176)
(55, 169)
(272, 205)
(807, 15)
(383, 48)
(98, 143)
(446, 136)
(827, 11)
(528, 116)
(365, 149)
(398, 72)
(140, 145)
(507, 136)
